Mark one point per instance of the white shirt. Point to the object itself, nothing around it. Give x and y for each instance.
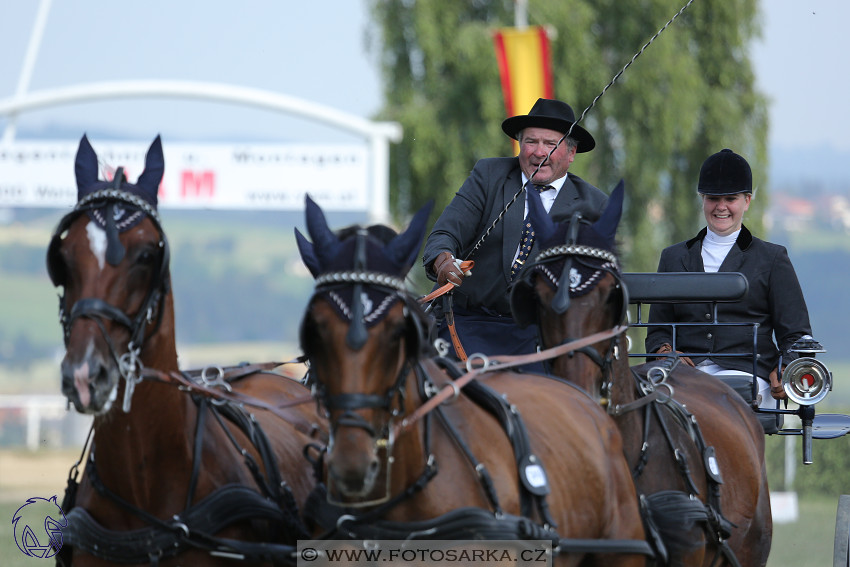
(546, 197)
(715, 248)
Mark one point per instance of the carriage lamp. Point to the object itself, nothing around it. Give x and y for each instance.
(806, 381)
(806, 346)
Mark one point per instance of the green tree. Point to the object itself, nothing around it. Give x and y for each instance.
(691, 93)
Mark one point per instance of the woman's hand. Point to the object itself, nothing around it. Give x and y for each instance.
(666, 348)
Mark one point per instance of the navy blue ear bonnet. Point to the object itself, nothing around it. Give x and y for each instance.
(360, 271)
(600, 235)
(114, 206)
(574, 255)
(123, 213)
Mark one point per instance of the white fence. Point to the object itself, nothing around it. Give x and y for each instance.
(40, 421)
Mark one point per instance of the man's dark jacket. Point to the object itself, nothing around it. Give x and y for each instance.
(775, 301)
(483, 196)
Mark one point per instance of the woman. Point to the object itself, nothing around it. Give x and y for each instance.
(774, 301)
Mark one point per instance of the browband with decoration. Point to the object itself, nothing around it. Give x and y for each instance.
(577, 250)
(117, 194)
(369, 278)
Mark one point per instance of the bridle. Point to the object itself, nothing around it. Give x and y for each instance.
(333, 287)
(96, 309)
(393, 288)
(598, 262)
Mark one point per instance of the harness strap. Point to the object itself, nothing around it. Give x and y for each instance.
(280, 410)
(717, 527)
(226, 506)
(498, 364)
(197, 450)
(450, 323)
(478, 524)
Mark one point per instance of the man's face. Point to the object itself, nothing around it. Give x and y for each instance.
(534, 145)
(725, 213)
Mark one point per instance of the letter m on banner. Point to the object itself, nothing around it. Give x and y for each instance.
(197, 184)
(525, 67)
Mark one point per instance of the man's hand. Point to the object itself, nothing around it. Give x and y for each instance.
(447, 268)
(776, 389)
(666, 348)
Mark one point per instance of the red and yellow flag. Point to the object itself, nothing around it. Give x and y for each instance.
(525, 67)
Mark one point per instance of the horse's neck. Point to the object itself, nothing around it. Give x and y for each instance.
(156, 432)
(159, 350)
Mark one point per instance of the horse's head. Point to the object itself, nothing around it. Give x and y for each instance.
(360, 330)
(573, 288)
(110, 256)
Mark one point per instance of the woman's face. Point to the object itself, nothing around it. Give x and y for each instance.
(725, 213)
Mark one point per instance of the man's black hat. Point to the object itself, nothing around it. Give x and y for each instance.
(553, 115)
(725, 173)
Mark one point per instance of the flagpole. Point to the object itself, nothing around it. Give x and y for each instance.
(521, 14)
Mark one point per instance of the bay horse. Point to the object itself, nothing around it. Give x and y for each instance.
(518, 456)
(182, 469)
(696, 449)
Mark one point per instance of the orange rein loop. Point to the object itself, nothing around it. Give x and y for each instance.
(465, 267)
(501, 363)
(226, 394)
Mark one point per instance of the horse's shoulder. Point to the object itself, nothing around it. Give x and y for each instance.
(534, 386)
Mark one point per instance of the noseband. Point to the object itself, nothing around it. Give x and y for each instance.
(97, 309)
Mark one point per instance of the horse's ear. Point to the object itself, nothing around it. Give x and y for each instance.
(85, 166)
(151, 177)
(325, 242)
(404, 248)
(308, 254)
(606, 226)
(544, 226)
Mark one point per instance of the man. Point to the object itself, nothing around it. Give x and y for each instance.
(775, 300)
(480, 301)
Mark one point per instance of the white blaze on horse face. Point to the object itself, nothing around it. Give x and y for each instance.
(97, 242)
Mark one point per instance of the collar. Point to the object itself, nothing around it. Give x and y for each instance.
(557, 184)
(745, 238)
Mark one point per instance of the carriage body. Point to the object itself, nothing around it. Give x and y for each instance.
(807, 381)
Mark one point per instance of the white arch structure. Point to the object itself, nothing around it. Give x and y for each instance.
(378, 134)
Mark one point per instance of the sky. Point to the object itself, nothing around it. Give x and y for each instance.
(317, 51)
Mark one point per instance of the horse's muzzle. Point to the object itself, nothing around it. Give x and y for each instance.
(90, 384)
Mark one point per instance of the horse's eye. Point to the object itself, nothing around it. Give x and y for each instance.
(398, 331)
(146, 256)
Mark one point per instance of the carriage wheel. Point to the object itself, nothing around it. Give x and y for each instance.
(841, 549)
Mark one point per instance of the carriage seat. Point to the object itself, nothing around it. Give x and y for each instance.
(698, 287)
(770, 422)
(685, 287)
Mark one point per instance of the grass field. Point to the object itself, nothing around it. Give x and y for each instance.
(808, 542)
